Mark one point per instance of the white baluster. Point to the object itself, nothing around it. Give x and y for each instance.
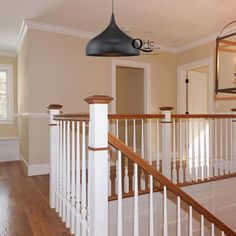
(222, 233)
(151, 215)
(109, 177)
(181, 173)
(202, 225)
(64, 173)
(216, 166)
(136, 210)
(157, 145)
(193, 153)
(166, 141)
(199, 172)
(221, 148)
(73, 179)
(211, 157)
(178, 217)
(59, 174)
(190, 221)
(226, 166)
(205, 149)
(68, 178)
(231, 147)
(78, 183)
(126, 177)
(187, 169)
(84, 187)
(174, 171)
(119, 216)
(165, 232)
(233, 140)
(116, 180)
(142, 176)
(212, 229)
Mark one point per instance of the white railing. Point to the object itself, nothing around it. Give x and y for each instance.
(184, 148)
(85, 171)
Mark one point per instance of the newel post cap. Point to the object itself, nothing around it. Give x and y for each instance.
(98, 99)
(54, 107)
(233, 109)
(166, 108)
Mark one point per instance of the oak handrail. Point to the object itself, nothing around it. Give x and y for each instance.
(118, 144)
(72, 117)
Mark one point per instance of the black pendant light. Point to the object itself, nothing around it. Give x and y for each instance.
(112, 42)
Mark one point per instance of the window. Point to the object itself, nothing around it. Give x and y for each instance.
(6, 94)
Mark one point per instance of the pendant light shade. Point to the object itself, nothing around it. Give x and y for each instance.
(112, 42)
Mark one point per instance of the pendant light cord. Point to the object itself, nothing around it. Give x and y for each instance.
(112, 6)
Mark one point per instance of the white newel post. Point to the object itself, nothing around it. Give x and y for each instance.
(54, 109)
(98, 161)
(166, 141)
(234, 140)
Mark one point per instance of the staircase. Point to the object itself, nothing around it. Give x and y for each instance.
(142, 154)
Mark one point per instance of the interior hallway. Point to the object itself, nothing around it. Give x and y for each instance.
(24, 207)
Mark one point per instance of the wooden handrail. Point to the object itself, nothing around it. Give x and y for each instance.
(72, 117)
(85, 116)
(204, 116)
(119, 145)
(134, 116)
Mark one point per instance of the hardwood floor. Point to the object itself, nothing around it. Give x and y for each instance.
(24, 207)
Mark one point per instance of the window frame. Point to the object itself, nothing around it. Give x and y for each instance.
(10, 95)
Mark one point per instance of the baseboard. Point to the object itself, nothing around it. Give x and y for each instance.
(37, 169)
(9, 147)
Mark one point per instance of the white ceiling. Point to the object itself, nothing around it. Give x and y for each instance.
(173, 23)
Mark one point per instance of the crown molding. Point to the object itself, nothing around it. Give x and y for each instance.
(197, 43)
(21, 35)
(8, 53)
(29, 24)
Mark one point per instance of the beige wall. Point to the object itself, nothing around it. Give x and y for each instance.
(201, 52)
(54, 69)
(11, 130)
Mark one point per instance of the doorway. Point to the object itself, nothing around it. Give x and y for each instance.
(129, 90)
(198, 98)
(124, 74)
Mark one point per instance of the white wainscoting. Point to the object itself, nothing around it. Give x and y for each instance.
(218, 197)
(36, 169)
(9, 149)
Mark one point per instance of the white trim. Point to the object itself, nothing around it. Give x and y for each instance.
(29, 24)
(10, 149)
(10, 94)
(21, 36)
(37, 169)
(147, 81)
(8, 53)
(33, 115)
(203, 62)
(194, 44)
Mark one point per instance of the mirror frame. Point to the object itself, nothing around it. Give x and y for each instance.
(231, 90)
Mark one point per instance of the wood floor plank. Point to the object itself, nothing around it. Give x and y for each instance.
(24, 205)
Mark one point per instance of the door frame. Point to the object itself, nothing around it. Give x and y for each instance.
(147, 79)
(195, 64)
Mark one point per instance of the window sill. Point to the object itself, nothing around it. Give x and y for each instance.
(6, 122)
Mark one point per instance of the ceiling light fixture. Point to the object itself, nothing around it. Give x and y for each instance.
(112, 42)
